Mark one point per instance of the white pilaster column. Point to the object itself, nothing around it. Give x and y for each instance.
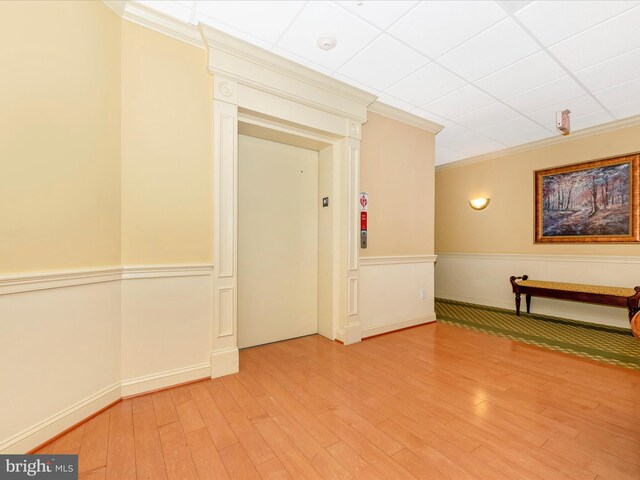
(224, 354)
(352, 327)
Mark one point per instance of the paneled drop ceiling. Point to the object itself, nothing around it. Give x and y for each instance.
(492, 72)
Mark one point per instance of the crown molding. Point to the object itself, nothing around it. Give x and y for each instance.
(206, 36)
(580, 134)
(116, 5)
(404, 117)
(256, 67)
(159, 22)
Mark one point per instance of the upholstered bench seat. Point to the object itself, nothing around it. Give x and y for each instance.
(578, 287)
(602, 295)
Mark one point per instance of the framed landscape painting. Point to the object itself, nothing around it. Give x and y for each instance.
(589, 202)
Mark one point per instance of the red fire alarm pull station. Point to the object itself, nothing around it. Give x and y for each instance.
(364, 207)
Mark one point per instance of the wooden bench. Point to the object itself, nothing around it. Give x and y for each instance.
(612, 296)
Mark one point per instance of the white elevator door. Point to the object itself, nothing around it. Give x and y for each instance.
(277, 241)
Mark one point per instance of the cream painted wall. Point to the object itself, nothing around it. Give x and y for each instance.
(507, 225)
(59, 136)
(167, 168)
(396, 170)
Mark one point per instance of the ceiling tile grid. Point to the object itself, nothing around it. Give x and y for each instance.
(492, 72)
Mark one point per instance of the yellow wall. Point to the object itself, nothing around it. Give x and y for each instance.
(167, 168)
(59, 136)
(397, 171)
(507, 225)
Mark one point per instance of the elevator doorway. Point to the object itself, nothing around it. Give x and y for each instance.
(278, 241)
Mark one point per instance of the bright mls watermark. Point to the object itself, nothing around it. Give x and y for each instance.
(50, 467)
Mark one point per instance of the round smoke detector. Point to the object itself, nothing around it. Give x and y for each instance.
(327, 42)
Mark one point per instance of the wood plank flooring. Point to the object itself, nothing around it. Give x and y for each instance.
(434, 402)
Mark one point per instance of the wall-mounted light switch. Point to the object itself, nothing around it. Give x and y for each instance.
(325, 202)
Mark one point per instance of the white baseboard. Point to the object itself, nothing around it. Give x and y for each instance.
(225, 362)
(52, 426)
(157, 381)
(38, 434)
(340, 336)
(399, 325)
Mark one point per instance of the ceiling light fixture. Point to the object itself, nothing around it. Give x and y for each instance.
(327, 42)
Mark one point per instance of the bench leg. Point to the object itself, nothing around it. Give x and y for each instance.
(528, 299)
(517, 304)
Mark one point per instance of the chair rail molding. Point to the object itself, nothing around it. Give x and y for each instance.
(27, 282)
(394, 260)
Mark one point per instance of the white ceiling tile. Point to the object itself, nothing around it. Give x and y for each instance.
(380, 13)
(267, 21)
(612, 72)
(606, 40)
(620, 94)
(451, 131)
(554, 21)
(395, 102)
(473, 52)
(446, 155)
(524, 75)
(590, 120)
(475, 144)
(579, 106)
(383, 63)
(464, 100)
(498, 47)
(322, 18)
(506, 130)
(512, 6)
(431, 116)
(534, 135)
(302, 61)
(562, 89)
(434, 28)
(426, 84)
(180, 10)
(625, 110)
(486, 116)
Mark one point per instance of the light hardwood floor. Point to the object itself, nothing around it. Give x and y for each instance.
(432, 402)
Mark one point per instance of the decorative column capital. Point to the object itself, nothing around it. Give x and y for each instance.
(225, 90)
(354, 129)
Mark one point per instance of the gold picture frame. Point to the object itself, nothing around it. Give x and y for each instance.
(590, 202)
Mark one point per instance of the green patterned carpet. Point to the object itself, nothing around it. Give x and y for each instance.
(612, 345)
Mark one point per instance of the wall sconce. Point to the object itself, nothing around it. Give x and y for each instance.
(479, 203)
